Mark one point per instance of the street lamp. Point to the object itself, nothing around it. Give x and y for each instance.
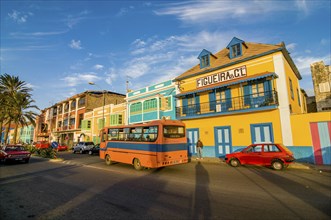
(103, 106)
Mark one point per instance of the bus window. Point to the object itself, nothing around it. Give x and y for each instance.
(173, 131)
(113, 134)
(150, 133)
(121, 134)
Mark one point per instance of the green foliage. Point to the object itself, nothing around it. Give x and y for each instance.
(30, 148)
(45, 152)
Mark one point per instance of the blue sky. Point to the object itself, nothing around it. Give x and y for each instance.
(57, 47)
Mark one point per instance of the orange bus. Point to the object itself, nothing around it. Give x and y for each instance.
(153, 144)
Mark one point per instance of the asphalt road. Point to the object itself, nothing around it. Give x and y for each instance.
(83, 187)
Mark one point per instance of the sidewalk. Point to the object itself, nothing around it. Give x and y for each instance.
(295, 165)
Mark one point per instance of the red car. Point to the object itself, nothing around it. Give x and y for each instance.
(266, 154)
(42, 144)
(62, 147)
(14, 153)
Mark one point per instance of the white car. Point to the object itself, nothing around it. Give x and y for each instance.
(83, 147)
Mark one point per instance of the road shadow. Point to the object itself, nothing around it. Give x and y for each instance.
(201, 206)
(296, 189)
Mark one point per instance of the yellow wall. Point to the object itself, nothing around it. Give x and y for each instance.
(295, 82)
(253, 67)
(301, 126)
(240, 126)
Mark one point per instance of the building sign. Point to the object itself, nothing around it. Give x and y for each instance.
(222, 77)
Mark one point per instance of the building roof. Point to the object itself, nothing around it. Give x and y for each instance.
(251, 51)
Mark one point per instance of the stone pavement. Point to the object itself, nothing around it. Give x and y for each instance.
(295, 165)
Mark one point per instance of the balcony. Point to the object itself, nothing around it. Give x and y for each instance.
(247, 103)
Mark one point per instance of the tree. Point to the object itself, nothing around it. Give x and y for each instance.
(15, 102)
(21, 114)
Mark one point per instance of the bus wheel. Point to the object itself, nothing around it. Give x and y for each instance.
(136, 164)
(108, 160)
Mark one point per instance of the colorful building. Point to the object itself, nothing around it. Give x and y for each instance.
(151, 103)
(243, 94)
(92, 123)
(25, 134)
(62, 122)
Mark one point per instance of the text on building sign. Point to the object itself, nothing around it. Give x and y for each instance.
(222, 77)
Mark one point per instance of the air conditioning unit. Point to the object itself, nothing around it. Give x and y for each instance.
(218, 108)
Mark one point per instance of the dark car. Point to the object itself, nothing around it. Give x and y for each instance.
(265, 154)
(14, 153)
(83, 147)
(94, 150)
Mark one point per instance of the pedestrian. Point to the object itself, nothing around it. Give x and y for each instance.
(199, 149)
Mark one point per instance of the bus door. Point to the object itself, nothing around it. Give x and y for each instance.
(192, 139)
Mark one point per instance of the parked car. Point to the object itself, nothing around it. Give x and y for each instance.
(42, 144)
(14, 153)
(94, 150)
(62, 147)
(266, 154)
(83, 147)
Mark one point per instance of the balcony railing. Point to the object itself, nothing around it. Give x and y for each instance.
(248, 102)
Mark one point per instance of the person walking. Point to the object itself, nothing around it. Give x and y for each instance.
(199, 149)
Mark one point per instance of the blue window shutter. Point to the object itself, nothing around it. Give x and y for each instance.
(185, 103)
(228, 98)
(247, 94)
(197, 103)
(267, 89)
(212, 101)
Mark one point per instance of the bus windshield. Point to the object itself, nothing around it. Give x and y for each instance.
(171, 131)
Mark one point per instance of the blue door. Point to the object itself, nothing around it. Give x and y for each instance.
(223, 141)
(262, 133)
(192, 139)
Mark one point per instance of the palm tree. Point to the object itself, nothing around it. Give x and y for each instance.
(21, 114)
(16, 100)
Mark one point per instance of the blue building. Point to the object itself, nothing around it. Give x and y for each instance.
(151, 103)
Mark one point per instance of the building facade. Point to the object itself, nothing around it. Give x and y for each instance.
(62, 122)
(92, 123)
(152, 103)
(243, 94)
(321, 75)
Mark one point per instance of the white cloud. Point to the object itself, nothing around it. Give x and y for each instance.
(111, 76)
(207, 11)
(73, 20)
(19, 17)
(291, 46)
(98, 67)
(75, 44)
(303, 63)
(80, 78)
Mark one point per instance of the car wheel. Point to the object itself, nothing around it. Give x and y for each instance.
(277, 165)
(234, 162)
(90, 152)
(108, 160)
(81, 151)
(73, 151)
(26, 161)
(137, 164)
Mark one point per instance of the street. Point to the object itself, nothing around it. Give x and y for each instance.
(84, 187)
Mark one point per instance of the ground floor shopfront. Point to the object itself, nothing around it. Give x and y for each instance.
(308, 136)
